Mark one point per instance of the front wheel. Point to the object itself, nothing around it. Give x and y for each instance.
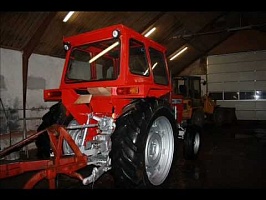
(198, 117)
(144, 146)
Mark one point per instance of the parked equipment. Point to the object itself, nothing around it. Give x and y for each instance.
(198, 108)
(116, 103)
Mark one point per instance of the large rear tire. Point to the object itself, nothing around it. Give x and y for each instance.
(144, 146)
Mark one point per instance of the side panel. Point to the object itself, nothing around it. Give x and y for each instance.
(239, 80)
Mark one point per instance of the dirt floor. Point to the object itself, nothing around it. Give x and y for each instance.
(231, 157)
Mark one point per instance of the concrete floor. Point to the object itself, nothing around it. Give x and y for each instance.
(231, 157)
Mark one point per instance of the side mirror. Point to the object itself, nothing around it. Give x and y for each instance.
(204, 82)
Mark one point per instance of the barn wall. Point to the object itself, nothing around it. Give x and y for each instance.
(239, 80)
(44, 72)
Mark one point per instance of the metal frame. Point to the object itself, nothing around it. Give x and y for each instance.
(47, 169)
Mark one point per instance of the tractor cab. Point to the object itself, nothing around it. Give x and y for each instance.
(106, 69)
(189, 87)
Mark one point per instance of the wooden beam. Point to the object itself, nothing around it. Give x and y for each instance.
(35, 39)
(205, 52)
(152, 22)
(28, 50)
(189, 41)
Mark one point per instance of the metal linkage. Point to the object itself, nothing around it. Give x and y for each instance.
(181, 131)
(20, 144)
(47, 169)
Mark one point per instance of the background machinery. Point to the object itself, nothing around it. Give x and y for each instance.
(199, 108)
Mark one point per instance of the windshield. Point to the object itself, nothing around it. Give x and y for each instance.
(94, 62)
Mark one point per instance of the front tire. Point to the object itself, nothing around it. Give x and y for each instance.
(144, 146)
(198, 118)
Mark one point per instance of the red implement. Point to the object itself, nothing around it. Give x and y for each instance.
(47, 169)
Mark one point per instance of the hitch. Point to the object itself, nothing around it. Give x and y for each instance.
(47, 169)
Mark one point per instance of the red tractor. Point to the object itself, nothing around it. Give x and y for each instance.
(117, 103)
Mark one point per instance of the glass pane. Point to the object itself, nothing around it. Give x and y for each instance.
(158, 67)
(260, 94)
(230, 96)
(137, 59)
(216, 95)
(246, 95)
(96, 61)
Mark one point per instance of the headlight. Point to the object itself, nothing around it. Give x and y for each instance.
(67, 46)
(116, 33)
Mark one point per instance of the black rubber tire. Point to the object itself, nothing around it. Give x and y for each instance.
(55, 115)
(218, 117)
(129, 142)
(198, 118)
(192, 144)
(231, 116)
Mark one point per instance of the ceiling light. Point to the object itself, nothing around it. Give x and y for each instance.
(103, 52)
(115, 33)
(69, 14)
(67, 46)
(178, 53)
(150, 32)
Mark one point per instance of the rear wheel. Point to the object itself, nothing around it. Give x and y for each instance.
(218, 117)
(144, 146)
(191, 143)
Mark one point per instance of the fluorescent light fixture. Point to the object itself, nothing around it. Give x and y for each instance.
(155, 64)
(150, 32)
(178, 53)
(103, 52)
(69, 14)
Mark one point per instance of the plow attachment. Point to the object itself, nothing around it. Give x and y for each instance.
(46, 169)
